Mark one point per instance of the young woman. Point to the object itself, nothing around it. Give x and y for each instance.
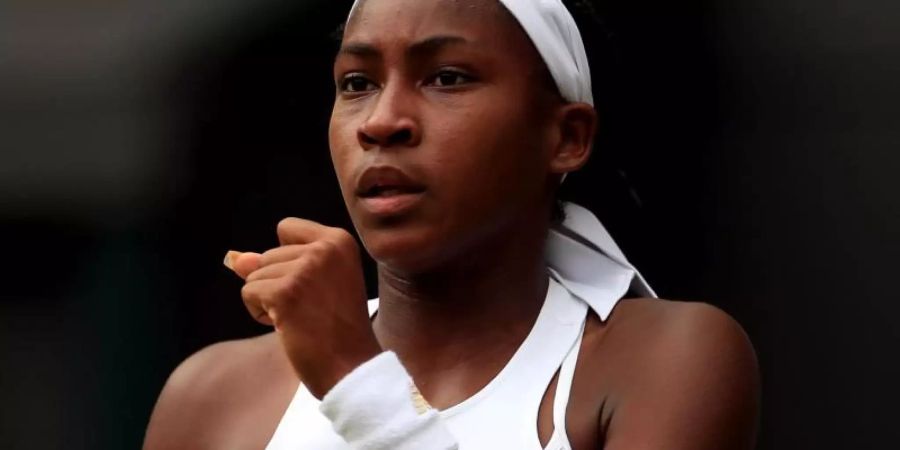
(499, 324)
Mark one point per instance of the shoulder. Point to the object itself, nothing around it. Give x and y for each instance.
(681, 368)
(662, 332)
(205, 390)
(685, 329)
(216, 365)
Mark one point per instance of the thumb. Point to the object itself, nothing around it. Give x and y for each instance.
(242, 263)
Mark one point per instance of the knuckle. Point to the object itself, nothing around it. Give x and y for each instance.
(300, 273)
(288, 288)
(267, 257)
(250, 278)
(252, 294)
(253, 298)
(343, 239)
(285, 225)
(248, 292)
(317, 254)
(292, 286)
(322, 248)
(251, 301)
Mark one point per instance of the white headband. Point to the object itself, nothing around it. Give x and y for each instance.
(552, 29)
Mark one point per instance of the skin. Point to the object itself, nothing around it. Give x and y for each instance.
(454, 94)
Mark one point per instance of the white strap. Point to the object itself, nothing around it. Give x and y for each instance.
(563, 391)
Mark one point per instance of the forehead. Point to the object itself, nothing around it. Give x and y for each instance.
(403, 20)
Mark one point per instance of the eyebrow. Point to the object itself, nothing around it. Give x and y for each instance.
(425, 47)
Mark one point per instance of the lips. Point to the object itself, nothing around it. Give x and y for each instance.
(386, 181)
(387, 191)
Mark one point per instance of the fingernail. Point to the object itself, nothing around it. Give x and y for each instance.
(230, 257)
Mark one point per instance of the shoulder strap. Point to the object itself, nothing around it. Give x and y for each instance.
(564, 389)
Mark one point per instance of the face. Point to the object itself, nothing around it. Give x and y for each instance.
(442, 129)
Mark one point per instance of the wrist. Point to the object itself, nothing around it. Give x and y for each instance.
(376, 407)
(319, 378)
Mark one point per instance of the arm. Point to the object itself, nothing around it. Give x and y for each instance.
(696, 388)
(183, 405)
(213, 399)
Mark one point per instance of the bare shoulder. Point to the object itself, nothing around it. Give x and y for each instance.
(685, 329)
(675, 372)
(207, 396)
(222, 366)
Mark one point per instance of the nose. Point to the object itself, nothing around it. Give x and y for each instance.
(392, 121)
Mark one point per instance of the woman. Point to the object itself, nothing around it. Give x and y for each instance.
(453, 125)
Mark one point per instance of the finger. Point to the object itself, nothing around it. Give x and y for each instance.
(242, 263)
(256, 296)
(281, 254)
(301, 231)
(272, 271)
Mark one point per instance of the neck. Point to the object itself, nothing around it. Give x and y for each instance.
(477, 309)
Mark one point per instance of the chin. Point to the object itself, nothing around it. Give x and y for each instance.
(403, 250)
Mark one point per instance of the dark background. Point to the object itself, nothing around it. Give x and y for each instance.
(748, 158)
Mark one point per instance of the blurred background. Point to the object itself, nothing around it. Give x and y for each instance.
(748, 158)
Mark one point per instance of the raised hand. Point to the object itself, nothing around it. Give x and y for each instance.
(311, 290)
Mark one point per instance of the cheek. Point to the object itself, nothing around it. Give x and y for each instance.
(341, 143)
(490, 159)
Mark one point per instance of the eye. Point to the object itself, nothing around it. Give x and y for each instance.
(447, 78)
(356, 83)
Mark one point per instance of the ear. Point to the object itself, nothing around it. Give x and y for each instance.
(577, 124)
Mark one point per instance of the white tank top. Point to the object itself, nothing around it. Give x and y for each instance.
(504, 413)
(587, 271)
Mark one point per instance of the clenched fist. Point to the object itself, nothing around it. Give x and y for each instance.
(311, 290)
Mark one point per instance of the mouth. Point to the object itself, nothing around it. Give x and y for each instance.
(388, 191)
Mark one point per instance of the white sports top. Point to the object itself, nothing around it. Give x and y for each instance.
(504, 413)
